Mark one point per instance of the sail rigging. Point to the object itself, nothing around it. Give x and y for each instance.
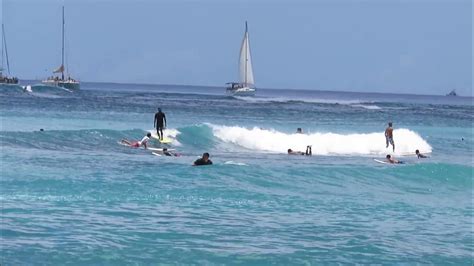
(245, 61)
(60, 69)
(5, 51)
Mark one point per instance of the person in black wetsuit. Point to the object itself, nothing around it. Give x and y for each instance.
(419, 155)
(160, 123)
(204, 160)
(308, 152)
(168, 153)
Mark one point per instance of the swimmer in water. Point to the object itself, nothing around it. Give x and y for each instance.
(137, 144)
(204, 160)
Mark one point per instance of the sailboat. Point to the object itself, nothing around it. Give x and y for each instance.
(4, 79)
(246, 84)
(61, 81)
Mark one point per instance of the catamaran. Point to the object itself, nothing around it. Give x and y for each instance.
(67, 83)
(246, 85)
(4, 79)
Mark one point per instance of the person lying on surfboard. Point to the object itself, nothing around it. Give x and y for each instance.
(419, 155)
(168, 153)
(308, 152)
(390, 159)
(137, 144)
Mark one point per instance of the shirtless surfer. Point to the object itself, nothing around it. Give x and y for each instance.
(389, 136)
(390, 159)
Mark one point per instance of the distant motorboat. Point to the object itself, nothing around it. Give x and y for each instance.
(245, 86)
(452, 93)
(67, 83)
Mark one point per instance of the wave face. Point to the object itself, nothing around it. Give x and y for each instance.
(406, 141)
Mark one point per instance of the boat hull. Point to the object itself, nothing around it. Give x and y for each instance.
(12, 82)
(246, 91)
(70, 85)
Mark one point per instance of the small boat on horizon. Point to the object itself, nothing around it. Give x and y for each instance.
(6, 79)
(452, 93)
(55, 81)
(246, 84)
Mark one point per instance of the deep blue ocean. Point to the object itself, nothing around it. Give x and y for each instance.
(71, 195)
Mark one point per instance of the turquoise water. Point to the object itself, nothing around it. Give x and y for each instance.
(72, 195)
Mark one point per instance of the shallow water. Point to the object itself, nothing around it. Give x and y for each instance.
(71, 194)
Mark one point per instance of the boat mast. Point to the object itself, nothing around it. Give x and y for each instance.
(62, 57)
(1, 68)
(6, 50)
(246, 44)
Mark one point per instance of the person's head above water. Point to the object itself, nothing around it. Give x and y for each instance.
(290, 150)
(417, 151)
(388, 156)
(165, 149)
(299, 130)
(205, 156)
(148, 135)
(390, 124)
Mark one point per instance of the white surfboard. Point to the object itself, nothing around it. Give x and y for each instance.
(385, 162)
(158, 149)
(380, 161)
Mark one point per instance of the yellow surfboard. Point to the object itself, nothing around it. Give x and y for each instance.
(165, 140)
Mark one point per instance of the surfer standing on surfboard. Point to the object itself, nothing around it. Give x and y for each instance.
(389, 136)
(159, 123)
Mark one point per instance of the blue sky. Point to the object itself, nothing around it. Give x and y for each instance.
(418, 46)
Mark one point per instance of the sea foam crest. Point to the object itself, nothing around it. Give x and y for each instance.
(406, 141)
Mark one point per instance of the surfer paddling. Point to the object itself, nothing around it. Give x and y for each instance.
(389, 136)
(159, 123)
(137, 144)
(308, 152)
(169, 153)
(420, 155)
(390, 159)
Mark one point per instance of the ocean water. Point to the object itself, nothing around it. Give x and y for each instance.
(72, 195)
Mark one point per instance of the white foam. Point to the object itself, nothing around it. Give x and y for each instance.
(369, 107)
(306, 100)
(235, 163)
(406, 141)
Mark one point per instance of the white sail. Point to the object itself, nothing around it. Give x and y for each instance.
(245, 62)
